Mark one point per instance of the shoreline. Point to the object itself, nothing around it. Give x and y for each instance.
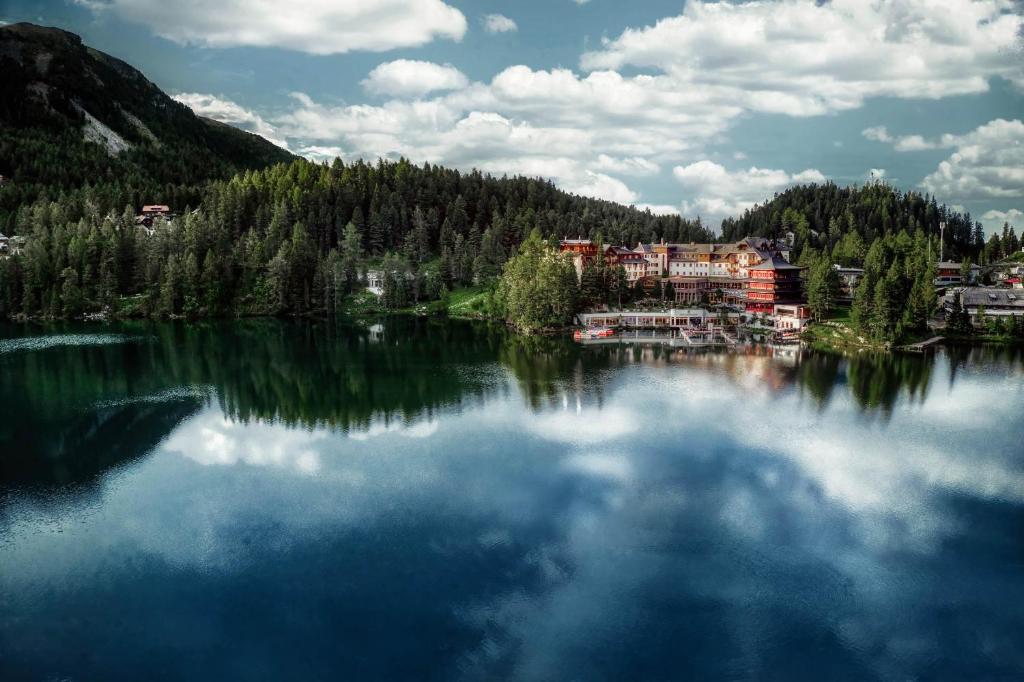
(842, 341)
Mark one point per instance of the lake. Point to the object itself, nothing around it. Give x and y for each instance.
(428, 499)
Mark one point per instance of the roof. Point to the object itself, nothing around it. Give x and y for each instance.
(948, 264)
(975, 296)
(776, 262)
(156, 207)
(585, 242)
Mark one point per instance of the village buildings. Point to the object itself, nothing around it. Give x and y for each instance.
(948, 273)
(753, 272)
(989, 302)
(849, 278)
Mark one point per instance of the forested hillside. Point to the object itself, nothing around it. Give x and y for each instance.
(293, 238)
(71, 115)
(870, 211)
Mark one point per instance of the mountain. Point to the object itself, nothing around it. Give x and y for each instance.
(821, 215)
(71, 115)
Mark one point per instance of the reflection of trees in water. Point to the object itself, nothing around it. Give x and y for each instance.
(76, 410)
(71, 412)
(545, 368)
(876, 381)
(78, 451)
(818, 374)
(964, 356)
(328, 375)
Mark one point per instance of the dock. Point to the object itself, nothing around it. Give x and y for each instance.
(922, 346)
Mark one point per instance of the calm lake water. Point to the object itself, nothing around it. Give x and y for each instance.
(439, 500)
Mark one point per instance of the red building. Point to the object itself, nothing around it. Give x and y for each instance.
(771, 282)
(151, 213)
(584, 247)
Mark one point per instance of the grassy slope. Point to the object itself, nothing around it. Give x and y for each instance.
(468, 302)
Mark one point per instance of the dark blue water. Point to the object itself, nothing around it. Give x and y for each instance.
(439, 500)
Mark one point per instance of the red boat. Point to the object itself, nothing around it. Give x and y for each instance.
(593, 333)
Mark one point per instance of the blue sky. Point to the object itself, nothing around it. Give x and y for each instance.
(702, 108)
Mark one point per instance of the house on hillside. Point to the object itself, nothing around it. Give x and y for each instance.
(11, 246)
(375, 282)
(947, 273)
(992, 302)
(150, 213)
(849, 278)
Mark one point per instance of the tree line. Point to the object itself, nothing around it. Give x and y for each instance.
(826, 216)
(295, 238)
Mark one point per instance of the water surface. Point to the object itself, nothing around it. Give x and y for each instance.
(441, 500)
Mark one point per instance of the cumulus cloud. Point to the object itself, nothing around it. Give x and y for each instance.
(658, 209)
(802, 58)
(319, 27)
(691, 78)
(718, 192)
(585, 133)
(409, 77)
(904, 143)
(498, 23)
(635, 165)
(993, 220)
(226, 111)
(987, 163)
(320, 152)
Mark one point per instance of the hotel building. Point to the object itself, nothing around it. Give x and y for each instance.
(753, 272)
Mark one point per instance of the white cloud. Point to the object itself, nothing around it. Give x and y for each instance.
(226, 111)
(875, 174)
(987, 163)
(905, 143)
(803, 58)
(699, 73)
(409, 77)
(718, 192)
(658, 209)
(993, 220)
(635, 165)
(318, 27)
(222, 442)
(321, 153)
(582, 132)
(498, 23)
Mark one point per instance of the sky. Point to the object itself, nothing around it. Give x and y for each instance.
(697, 107)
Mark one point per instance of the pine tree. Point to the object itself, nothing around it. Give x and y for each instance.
(71, 293)
(822, 286)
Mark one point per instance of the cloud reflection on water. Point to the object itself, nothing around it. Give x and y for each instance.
(703, 516)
